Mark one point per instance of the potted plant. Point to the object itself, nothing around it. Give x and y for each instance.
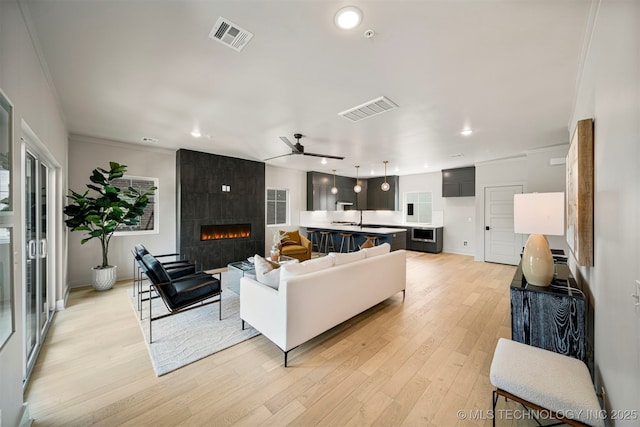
(102, 213)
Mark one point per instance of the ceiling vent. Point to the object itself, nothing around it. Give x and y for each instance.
(369, 109)
(229, 34)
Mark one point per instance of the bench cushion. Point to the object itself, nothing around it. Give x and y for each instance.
(551, 380)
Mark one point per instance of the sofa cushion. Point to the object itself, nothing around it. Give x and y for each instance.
(267, 272)
(346, 258)
(377, 250)
(293, 249)
(309, 266)
(290, 237)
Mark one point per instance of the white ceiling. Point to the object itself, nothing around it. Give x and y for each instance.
(125, 70)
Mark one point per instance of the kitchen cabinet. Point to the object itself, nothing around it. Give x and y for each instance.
(416, 243)
(319, 196)
(383, 200)
(459, 182)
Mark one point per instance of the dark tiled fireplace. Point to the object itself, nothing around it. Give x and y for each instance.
(220, 208)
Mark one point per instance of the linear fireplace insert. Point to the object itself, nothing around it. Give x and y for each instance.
(225, 231)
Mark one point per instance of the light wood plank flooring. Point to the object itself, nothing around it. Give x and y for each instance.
(399, 364)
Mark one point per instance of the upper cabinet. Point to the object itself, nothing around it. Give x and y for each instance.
(460, 182)
(383, 200)
(320, 198)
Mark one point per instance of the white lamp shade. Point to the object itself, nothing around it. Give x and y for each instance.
(539, 213)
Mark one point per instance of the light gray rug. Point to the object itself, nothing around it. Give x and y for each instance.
(190, 336)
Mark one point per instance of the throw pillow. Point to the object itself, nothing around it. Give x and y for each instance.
(306, 267)
(377, 250)
(346, 258)
(290, 237)
(267, 272)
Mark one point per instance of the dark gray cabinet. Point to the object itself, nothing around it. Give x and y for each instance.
(319, 196)
(421, 246)
(459, 182)
(383, 200)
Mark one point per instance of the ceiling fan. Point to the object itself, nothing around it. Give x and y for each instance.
(298, 149)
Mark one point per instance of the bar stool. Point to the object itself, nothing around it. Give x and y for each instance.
(312, 235)
(351, 242)
(374, 239)
(326, 242)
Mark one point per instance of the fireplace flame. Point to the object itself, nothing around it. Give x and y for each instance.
(228, 231)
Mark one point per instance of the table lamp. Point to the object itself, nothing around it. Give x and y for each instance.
(538, 214)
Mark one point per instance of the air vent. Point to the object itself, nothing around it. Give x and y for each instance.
(369, 109)
(229, 34)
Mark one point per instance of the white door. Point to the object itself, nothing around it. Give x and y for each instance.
(501, 244)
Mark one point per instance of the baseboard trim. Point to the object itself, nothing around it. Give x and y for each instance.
(25, 420)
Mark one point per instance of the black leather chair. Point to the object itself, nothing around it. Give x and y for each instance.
(179, 294)
(175, 268)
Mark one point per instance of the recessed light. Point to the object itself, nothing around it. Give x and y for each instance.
(348, 17)
(196, 134)
(426, 165)
(466, 132)
(323, 161)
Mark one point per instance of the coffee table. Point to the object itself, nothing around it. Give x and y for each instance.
(239, 269)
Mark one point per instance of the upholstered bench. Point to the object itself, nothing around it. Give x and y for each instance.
(545, 381)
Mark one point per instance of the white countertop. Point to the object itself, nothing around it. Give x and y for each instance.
(355, 228)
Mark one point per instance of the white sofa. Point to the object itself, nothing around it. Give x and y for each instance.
(306, 305)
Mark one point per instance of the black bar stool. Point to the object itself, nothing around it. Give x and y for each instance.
(326, 242)
(312, 235)
(350, 240)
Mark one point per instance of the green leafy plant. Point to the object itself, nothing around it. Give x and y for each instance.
(101, 214)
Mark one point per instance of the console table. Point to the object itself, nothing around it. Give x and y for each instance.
(553, 318)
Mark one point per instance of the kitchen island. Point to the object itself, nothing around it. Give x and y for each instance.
(396, 237)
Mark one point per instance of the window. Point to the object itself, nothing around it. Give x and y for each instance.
(277, 206)
(149, 220)
(419, 207)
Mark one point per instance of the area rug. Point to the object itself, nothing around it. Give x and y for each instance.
(186, 337)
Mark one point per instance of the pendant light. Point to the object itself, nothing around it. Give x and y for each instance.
(385, 185)
(334, 189)
(357, 188)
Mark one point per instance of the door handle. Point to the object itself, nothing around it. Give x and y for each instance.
(43, 248)
(487, 228)
(31, 249)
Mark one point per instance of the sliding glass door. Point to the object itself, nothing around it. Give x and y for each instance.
(38, 306)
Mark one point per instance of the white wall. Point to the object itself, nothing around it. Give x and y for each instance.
(85, 154)
(609, 92)
(296, 182)
(24, 82)
(532, 171)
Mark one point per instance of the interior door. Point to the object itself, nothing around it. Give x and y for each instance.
(38, 308)
(501, 244)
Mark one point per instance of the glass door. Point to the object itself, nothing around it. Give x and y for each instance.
(38, 308)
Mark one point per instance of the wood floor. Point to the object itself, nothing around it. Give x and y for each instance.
(415, 363)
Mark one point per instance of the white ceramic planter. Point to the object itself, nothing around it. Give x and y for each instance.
(104, 278)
